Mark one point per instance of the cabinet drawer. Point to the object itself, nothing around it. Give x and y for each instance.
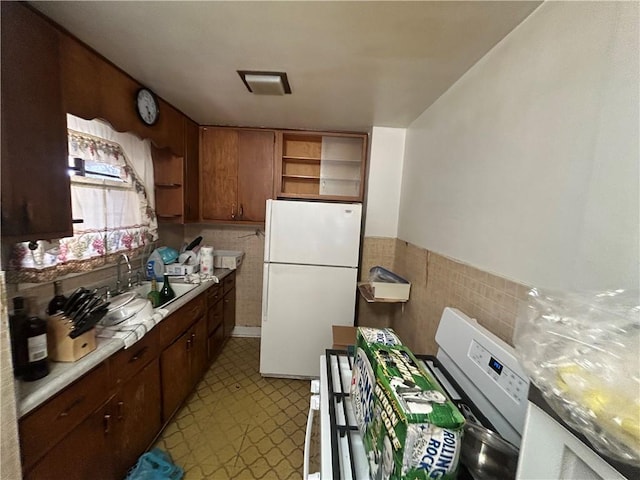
(214, 317)
(214, 294)
(46, 426)
(126, 363)
(176, 323)
(229, 282)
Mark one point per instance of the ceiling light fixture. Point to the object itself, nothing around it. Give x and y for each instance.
(265, 83)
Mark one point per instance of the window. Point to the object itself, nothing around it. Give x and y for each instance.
(112, 204)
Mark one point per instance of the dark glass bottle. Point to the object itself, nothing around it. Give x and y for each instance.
(17, 331)
(154, 295)
(166, 293)
(57, 302)
(37, 355)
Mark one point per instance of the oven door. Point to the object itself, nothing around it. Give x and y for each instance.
(550, 451)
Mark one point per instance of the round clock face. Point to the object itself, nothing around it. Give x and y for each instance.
(147, 106)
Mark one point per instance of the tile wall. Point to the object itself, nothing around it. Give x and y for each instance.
(250, 240)
(437, 282)
(42, 293)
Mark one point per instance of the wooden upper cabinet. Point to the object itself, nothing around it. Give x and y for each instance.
(316, 165)
(36, 197)
(95, 88)
(191, 160)
(236, 174)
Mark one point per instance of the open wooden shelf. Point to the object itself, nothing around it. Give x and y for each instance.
(168, 176)
(323, 166)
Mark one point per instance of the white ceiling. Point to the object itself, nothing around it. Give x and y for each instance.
(351, 65)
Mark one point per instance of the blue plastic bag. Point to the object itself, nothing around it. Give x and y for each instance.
(155, 465)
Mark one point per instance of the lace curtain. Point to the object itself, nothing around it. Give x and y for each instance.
(117, 211)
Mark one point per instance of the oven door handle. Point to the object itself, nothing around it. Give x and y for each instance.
(314, 406)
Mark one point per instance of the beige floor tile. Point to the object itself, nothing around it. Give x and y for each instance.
(239, 425)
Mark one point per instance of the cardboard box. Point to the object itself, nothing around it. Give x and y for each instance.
(177, 269)
(343, 337)
(230, 259)
(410, 429)
(388, 285)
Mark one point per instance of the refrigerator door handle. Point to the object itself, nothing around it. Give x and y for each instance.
(265, 291)
(267, 230)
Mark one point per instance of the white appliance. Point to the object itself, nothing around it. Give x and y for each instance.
(478, 370)
(553, 451)
(309, 284)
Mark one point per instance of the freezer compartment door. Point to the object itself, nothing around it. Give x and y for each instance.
(300, 303)
(312, 233)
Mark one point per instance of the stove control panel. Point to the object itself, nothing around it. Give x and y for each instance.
(510, 382)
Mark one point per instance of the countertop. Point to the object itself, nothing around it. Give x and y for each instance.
(61, 374)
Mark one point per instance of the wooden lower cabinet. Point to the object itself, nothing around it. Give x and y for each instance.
(97, 427)
(85, 452)
(215, 342)
(229, 312)
(182, 365)
(137, 417)
(176, 380)
(198, 351)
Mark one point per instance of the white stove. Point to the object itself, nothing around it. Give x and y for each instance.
(478, 371)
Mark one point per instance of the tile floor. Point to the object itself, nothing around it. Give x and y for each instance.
(239, 425)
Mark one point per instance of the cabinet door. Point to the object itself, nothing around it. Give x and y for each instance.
(175, 374)
(216, 339)
(36, 197)
(219, 173)
(137, 417)
(215, 316)
(84, 453)
(191, 172)
(229, 312)
(51, 422)
(255, 173)
(198, 350)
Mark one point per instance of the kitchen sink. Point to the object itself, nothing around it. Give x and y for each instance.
(179, 289)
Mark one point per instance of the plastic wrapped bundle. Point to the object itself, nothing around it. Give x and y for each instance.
(583, 352)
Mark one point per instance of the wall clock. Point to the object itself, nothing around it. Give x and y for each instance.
(147, 106)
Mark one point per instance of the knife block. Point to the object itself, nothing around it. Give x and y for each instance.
(61, 347)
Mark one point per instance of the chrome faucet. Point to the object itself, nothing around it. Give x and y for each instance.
(119, 275)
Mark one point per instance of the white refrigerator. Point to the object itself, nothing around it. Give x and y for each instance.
(310, 281)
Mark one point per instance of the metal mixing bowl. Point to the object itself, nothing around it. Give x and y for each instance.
(487, 455)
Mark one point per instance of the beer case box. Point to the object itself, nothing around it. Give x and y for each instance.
(410, 429)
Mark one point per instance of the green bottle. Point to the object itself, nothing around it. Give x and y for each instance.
(154, 295)
(166, 293)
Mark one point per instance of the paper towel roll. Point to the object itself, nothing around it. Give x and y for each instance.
(206, 260)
